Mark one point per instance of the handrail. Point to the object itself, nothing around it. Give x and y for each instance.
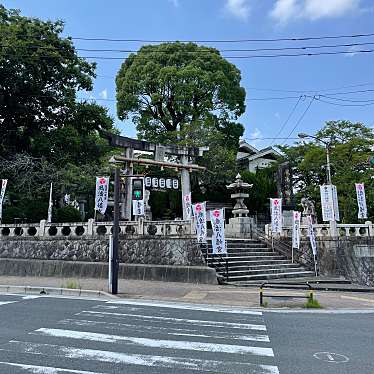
(279, 285)
(210, 261)
(284, 248)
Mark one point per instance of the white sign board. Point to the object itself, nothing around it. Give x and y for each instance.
(361, 201)
(138, 207)
(296, 229)
(218, 226)
(199, 212)
(276, 215)
(102, 191)
(335, 202)
(50, 205)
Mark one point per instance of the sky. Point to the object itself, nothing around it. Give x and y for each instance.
(284, 94)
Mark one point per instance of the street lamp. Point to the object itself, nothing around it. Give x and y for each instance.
(333, 226)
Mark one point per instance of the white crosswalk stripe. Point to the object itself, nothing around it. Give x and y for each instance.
(122, 337)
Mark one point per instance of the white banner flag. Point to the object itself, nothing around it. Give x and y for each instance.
(361, 201)
(50, 205)
(327, 202)
(312, 236)
(2, 195)
(102, 192)
(199, 212)
(296, 229)
(138, 207)
(187, 205)
(276, 215)
(335, 203)
(218, 226)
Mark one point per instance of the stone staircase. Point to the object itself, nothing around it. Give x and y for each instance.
(250, 260)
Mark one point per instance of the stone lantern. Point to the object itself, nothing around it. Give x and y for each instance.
(240, 226)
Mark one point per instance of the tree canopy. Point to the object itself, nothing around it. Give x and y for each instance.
(165, 89)
(350, 146)
(46, 134)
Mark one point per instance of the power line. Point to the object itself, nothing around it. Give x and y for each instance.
(228, 57)
(207, 50)
(340, 104)
(288, 118)
(293, 39)
(300, 119)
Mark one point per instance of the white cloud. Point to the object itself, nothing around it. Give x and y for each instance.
(254, 137)
(285, 10)
(238, 8)
(104, 94)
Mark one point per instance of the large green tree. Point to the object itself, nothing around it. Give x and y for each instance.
(40, 73)
(186, 94)
(350, 145)
(166, 88)
(46, 134)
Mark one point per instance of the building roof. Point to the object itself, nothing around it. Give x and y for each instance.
(249, 152)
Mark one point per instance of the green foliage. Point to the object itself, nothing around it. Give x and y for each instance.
(350, 146)
(71, 284)
(264, 186)
(67, 214)
(39, 75)
(312, 303)
(46, 136)
(164, 88)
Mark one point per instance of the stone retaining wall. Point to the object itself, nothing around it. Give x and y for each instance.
(144, 250)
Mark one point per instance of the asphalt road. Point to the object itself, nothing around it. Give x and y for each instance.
(59, 335)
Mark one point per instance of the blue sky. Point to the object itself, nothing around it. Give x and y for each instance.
(263, 78)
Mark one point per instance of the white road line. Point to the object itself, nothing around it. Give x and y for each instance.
(245, 326)
(186, 306)
(166, 330)
(156, 343)
(46, 369)
(227, 367)
(7, 302)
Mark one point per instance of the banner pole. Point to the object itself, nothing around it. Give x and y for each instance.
(315, 265)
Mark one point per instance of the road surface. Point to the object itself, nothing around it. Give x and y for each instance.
(71, 335)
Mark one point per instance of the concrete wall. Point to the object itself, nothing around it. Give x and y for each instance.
(79, 269)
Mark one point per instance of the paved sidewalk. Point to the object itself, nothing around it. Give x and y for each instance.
(199, 293)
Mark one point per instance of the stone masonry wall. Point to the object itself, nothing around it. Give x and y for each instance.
(156, 251)
(352, 258)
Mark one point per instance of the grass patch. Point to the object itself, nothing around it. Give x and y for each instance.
(72, 284)
(312, 304)
(265, 304)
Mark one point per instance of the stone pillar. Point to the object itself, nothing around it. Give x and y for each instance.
(185, 182)
(371, 228)
(125, 201)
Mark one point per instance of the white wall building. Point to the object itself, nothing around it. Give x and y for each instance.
(250, 158)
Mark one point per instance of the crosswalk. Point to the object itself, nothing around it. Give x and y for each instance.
(139, 337)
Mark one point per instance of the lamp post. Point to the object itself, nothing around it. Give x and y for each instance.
(333, 225)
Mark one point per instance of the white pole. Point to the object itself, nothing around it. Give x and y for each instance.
(110, 258)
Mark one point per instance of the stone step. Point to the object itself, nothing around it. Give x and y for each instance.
(255, 262)
(265, 276)
(264, 267)
(254, 256)
(279, 270)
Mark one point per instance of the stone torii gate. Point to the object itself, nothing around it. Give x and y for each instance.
(186, 156)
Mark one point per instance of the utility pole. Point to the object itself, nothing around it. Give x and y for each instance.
(115, 263)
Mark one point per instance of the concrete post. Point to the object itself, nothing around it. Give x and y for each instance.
(371, 228)
(42, 227)
(185, 182)
(90, 230)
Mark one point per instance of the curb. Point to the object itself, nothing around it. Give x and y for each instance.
(45, 291)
